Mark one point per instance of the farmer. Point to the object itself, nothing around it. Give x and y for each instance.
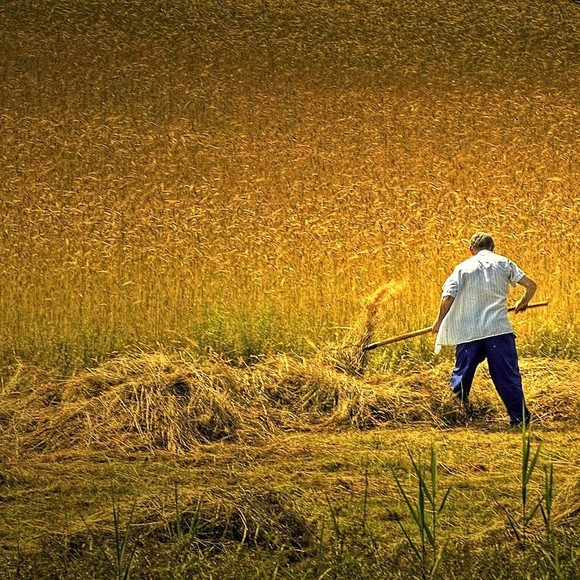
(473, 316)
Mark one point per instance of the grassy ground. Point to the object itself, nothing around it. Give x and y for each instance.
(300, 503)
(300, 487)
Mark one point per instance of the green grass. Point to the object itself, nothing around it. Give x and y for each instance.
(296, 504)
(425, 512)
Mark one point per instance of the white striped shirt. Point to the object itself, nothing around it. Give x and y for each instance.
(479, 286)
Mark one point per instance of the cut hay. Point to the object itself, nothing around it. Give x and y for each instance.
(135, 402)
(551, 389)
(425, 397)
(350, 357)
(258, 516)
(149, 402)
(208, 522)
(391, 400)
(298, 391)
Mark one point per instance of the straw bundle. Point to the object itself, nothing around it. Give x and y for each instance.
(350, 357)
(161, 402)
(135, 402)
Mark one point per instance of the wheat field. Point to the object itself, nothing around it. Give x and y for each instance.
(241, 176)
(208, 208)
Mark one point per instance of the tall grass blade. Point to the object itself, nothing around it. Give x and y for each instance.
(424, 511)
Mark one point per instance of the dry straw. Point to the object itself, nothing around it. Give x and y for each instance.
(258, 515)
(168, 402)
(351, 356)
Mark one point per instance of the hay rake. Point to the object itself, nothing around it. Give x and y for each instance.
(426, 330)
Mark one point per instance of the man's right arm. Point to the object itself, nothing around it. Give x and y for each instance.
(444, 307)
(530, 289)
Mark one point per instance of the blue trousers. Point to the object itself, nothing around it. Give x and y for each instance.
(502, 360)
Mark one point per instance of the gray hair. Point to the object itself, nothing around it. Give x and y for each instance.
(481, 241)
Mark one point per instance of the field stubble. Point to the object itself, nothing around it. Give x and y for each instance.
(284, 467)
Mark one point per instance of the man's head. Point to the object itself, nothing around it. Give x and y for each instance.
(481, 241)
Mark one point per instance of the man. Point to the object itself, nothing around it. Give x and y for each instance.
(473, 316)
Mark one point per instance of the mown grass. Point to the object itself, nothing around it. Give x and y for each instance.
(293, 508)
(243, 175)
(160, 466)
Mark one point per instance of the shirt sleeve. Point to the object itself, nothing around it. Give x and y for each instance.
(515, 274)
(451, 285)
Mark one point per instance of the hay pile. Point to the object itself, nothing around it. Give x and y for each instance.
(257, 516)
(134, 402)
(351, 356)
(166, 402)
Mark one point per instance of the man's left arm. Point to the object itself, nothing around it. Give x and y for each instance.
(530, 289)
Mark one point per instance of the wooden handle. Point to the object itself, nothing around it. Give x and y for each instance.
(534, 305)
(374, 345)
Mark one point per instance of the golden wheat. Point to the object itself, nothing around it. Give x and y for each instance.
(244, 185)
